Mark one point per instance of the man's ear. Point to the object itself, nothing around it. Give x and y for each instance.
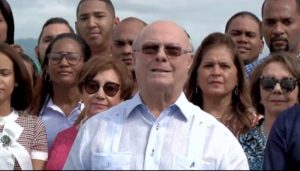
(37, 54)
(117, 21)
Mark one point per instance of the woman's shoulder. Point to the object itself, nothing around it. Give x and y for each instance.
(26, 118)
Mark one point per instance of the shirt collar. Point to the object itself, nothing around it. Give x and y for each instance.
(53, 106)
(182, 103)
(133, 103)
(10, 117)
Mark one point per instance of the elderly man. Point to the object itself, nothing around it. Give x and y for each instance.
(158, 128)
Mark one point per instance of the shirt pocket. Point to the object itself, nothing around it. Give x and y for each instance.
(111, 161)
(183, 163)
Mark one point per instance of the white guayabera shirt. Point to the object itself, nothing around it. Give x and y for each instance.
(127, 136)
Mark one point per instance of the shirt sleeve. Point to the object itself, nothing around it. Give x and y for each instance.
(237, 159)
(276, 148)
(79, 157)
(39, 147)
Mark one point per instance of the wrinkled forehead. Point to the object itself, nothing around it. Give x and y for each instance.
(164, 32)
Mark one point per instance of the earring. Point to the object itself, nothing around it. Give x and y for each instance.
(236, 90)
(196, 90)
(47, 78)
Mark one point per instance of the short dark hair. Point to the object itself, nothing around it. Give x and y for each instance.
(263, 5)
(85, 49)
(55, 20)
(22, 94)
(244, 13)
(108, 3)
(9, 18)
(46, 88)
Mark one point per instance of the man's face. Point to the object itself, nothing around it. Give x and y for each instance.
(245, 32)
(156, 66)
(123, 36)
(94, 23)
(48, 34)
(281, 25)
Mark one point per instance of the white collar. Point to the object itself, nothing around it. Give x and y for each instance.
(10, 117)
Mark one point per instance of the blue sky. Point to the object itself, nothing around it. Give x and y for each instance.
(198, 17)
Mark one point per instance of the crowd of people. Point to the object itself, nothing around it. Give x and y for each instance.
(129, 95)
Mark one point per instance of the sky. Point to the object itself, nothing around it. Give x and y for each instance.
(198, 17)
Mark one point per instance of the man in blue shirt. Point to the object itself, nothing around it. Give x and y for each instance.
(158, 128)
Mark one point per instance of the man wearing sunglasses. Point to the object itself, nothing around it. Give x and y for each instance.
(158, 128)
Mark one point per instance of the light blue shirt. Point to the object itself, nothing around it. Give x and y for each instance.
(55, 120)
(128, 136)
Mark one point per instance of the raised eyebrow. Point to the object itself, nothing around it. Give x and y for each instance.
(119, 41)
(173, 44)
(252, 33)
(48, 37)
(83, 15)
(91, 13)
(268, 20)
(207, 62)
(235, 31)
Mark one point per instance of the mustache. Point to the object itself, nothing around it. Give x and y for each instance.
(278, 38)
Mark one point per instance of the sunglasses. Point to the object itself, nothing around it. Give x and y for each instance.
(109, 88)
(56, 57)
(286, 84)
(169, 49)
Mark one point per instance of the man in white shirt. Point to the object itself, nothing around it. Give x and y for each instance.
(158, 128)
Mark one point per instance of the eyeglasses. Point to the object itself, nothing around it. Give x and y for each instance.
(269, 83)
(170, 50)
(109, 88)
(56, 57)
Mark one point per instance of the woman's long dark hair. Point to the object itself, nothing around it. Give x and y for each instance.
(9, 18)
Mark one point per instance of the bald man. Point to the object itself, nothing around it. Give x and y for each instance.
(158, 128)
(123, 35)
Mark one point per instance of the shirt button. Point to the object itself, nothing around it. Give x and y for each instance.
(152, 153)
(108, 165)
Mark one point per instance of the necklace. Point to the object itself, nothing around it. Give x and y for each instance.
(262, 130)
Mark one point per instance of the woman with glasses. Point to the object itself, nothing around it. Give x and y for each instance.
(103, 82)
(274, 87)
(23, 143)
(58, 102)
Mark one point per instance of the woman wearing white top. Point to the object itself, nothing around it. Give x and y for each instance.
(23, 143)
